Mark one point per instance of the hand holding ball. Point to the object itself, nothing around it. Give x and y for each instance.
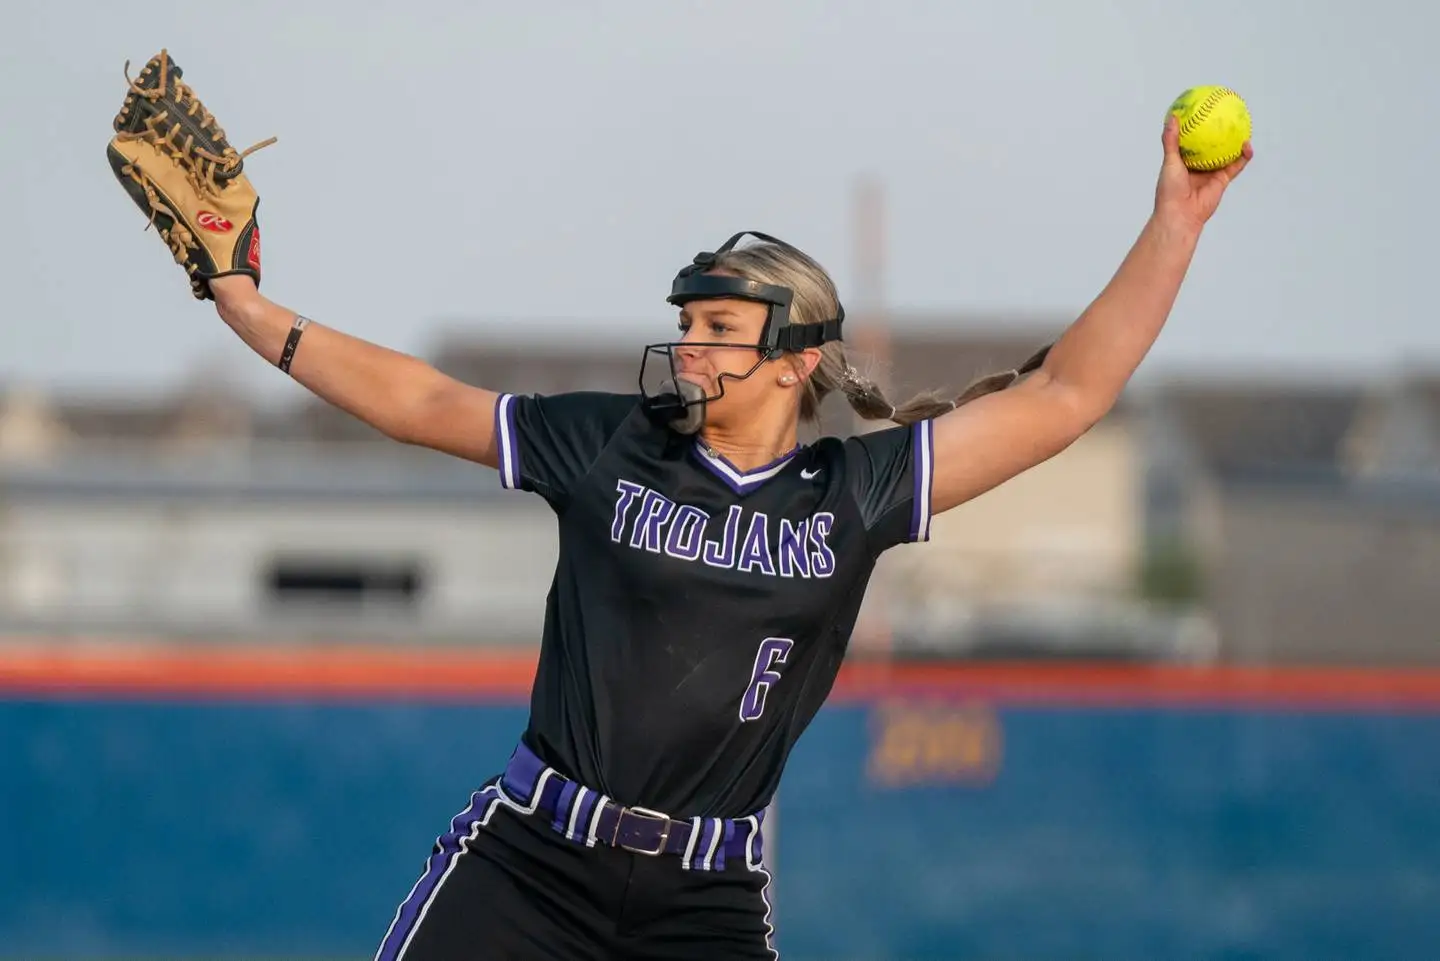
(1214, 125)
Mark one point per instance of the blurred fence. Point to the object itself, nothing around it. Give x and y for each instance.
(279, 803)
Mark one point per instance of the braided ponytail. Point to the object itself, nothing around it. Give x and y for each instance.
(869, 401)
(816, 301)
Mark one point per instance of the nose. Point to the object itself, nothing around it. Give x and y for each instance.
(685, 349)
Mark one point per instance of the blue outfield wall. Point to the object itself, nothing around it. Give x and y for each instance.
(273, 830)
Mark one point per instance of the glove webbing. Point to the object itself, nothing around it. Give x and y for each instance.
(205, 167)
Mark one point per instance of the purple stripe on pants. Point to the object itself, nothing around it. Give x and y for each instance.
(448, 848)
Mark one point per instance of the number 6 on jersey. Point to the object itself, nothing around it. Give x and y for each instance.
(773, 651)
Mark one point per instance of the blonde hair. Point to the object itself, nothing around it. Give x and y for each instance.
(815, 301)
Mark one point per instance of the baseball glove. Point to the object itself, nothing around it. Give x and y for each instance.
(174, 161)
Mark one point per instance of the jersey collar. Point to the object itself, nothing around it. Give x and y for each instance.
(740, 481)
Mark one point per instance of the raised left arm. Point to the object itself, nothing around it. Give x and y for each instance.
(995, 437)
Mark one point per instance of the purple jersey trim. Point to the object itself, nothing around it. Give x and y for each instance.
(924, 470)
(742, 481)
(507, 442)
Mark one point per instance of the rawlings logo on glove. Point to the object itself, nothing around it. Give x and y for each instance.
(174, 161)
(213, 221)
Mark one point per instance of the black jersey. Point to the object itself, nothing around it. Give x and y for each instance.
(699, 613)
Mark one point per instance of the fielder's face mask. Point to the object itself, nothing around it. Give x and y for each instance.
(683, 402)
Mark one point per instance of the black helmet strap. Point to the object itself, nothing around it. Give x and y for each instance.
(694, 283)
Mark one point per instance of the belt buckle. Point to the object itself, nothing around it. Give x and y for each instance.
(648, 815)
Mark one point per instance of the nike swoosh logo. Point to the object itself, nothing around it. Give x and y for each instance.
(809, 474)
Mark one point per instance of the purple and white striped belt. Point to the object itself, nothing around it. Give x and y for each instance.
(585, 815)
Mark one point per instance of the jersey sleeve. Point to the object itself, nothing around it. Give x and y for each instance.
(548, 443)
(891, 473)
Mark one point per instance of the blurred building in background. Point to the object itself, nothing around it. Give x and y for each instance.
(1304, 516)
(1203, 519)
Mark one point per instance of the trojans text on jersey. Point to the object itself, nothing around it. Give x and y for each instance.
(648, 520)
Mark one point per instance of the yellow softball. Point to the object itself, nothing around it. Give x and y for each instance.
(1214, 125)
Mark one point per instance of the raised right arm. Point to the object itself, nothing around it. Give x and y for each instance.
(401, 396)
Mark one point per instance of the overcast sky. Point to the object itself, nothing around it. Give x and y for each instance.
(547, 167)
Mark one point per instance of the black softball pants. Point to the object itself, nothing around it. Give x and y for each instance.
(555, 878)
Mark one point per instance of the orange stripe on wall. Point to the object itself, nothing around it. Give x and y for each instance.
(376, 673)
(349, 671)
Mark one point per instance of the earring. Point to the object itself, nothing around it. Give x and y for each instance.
(788, 379)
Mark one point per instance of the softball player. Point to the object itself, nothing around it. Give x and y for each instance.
(709, 575)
